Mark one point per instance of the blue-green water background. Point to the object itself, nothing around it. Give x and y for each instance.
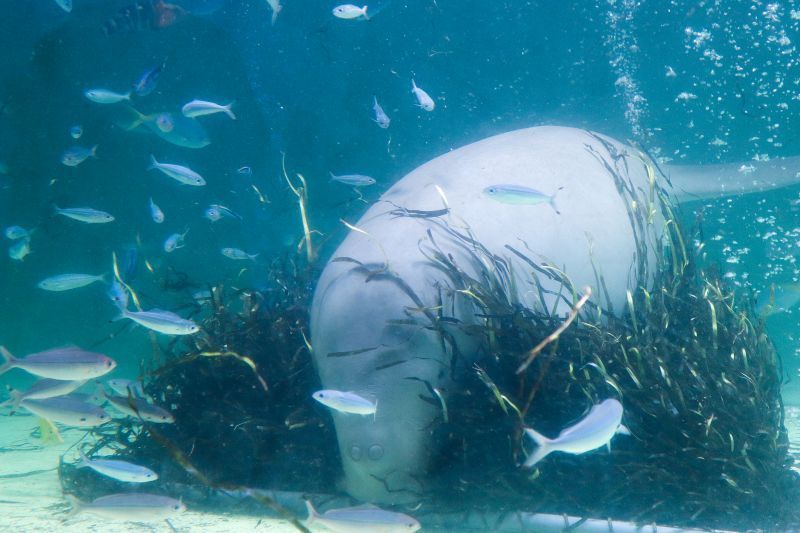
(304, 87)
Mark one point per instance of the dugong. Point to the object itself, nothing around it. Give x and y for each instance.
(380, 276)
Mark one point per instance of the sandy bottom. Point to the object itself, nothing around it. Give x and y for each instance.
(31, 499)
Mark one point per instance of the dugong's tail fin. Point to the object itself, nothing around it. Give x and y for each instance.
(703, 182)
(543, 448)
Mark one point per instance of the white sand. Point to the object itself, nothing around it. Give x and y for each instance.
(34, 503)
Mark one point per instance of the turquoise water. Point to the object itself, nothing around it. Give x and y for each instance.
(689, 82)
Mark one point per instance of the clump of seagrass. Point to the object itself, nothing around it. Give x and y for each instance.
(695, 371)
(241, 396)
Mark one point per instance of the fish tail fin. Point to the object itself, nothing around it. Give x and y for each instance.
(48, 432)
(11, 399)
(413, 85)
(84, 461)
(153, 163)
(131, 124)
(10, 361)
(128, 96)
(312, 513)
(14, 400)
(553, 200)
(252, 256)
(333, 176)
(137, 389)
(75, 504)
(274, 16)
(228, 111)
(100, 392)
(542, 448)
(364, 10)
(94, 151)
(123, 312)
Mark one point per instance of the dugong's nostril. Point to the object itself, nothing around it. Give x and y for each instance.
(355, 452)
(375, 452)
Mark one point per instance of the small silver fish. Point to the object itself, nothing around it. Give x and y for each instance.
(593, 431)
(69, 363)
(66, 282)
(67, 411)
(19, 250)
(350, 11)
(43, 389)
(156, 213)
(137, 506)
(85, 214)
(202, 296)
(185, 175)
(346, 402)
(237, 254)
(423, 99)
(76, 131)
(175, 241)
(66, 5)
(519, 195)
(148, 81)
(17, 232)
(364, 518)
(75, 155)
(381, 118)
(275, 6)
(354, 180)
(117, 294)
(245, 171)
(104, 96)
(212, 213)
(138, 408)
(161, 321)
(119, 470)
(199, 108)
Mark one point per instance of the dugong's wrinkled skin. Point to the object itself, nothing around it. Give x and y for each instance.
(385, 459)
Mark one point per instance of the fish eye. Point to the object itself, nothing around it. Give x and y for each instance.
(83, 418)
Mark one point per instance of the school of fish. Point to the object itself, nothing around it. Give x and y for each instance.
(64, 370)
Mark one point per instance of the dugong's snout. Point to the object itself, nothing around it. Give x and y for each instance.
(383, 460)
